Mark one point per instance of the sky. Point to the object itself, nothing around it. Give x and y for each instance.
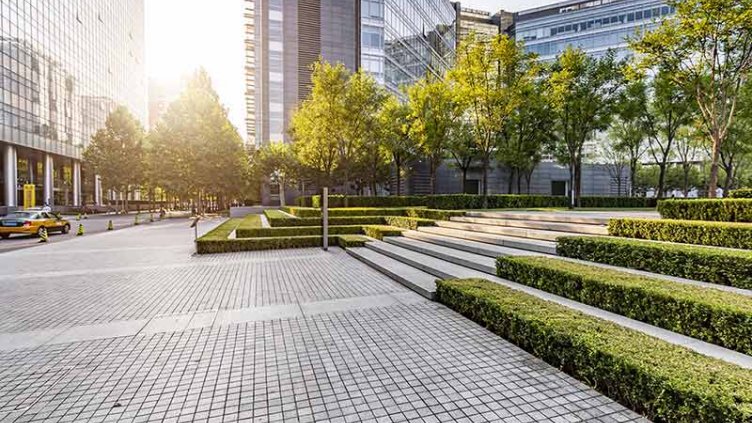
(182, 35)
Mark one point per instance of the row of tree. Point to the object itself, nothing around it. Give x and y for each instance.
(686, 95)
(193, 154)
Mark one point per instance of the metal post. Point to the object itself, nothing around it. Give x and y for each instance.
(325, 217)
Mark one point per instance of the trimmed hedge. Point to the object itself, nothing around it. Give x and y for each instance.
(380, 231)
(719, 317)
(472, 201)
(717, 234)
(708, 264)
(212, 246)
(663, 381)
(741, 193)
(433, 214)
(275, 214)
(351, 241)
(347, 212)
(719, 210)
(296, 231)
(408, 222)
(333, 221)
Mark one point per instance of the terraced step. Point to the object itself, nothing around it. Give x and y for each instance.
(475, 247)
(416, 280)
(538, 246)
(540, 234)
(446, 270)
(463, 258)
(542, 217)
(575, 228)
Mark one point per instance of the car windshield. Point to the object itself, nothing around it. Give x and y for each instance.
(21, 215)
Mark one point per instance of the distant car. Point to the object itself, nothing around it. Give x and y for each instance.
(31, 222)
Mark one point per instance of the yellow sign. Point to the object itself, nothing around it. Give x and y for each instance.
(29, 194)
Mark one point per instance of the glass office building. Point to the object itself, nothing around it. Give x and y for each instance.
(595, 26)
(404, 40)
(64, 65)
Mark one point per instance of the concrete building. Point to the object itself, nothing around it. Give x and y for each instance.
(592, 25)
(397, 41)
(483, 23)
(64, 66)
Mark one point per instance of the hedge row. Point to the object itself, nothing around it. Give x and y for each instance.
(296, 231)
(380, 231)
(346, 212)
(718, 234)
(212, 246)
(720, 210)
(719, 317)
(408, 222)
(275, 214)
(663, 381)
(714, 265)
(433, 214)
(741, 193)
(333, 221)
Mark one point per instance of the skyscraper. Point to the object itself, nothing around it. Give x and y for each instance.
(483, 23)
(595, 26)
(65, 66)
(397, 41)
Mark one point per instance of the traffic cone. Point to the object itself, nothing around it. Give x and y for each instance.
(78, 217)
(43, 236)
(109, 226)
(80, 229)
(85, 216)
(135, 221)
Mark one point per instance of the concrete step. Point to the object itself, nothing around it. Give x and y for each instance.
(540, 234)
(421, 282)
(575, 228)
(463, 258)
(571, 217)
(446, 270)
(538, 246)
(475, 247)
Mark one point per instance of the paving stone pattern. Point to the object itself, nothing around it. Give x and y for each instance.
(368, 362)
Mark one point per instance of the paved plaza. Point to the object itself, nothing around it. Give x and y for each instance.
(131, 326)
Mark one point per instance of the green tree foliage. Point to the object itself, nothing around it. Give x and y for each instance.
(434, 113)
(116, 151)
(275, 162)
(707, 46)
(628, 128)
(670, 107)
(583, 96)
(736, 153)
(488, 80)
(462, 148)
(394, 127)
(195, 150)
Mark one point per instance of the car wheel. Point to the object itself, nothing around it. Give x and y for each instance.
(39, 231)
(5, 236)
(66, 228)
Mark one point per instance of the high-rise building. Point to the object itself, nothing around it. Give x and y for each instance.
(397, 41)
(595, 26)
(483, 23)
(65, 66)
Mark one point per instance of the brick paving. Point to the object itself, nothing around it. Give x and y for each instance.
(345, 357)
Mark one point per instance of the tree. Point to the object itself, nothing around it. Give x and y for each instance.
(116, 152)
(433, 115)
(617, 162)
(488, 79)
(394, 127)
(628, 128)
(707, 46)
(737, 150)
(583, 92)
(463, 149)
(669, 109)
(687, 147)
(275, 162)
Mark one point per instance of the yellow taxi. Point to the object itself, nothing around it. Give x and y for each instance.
(31, 222)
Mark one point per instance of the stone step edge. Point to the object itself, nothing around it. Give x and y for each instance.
(508, 241)
(395, 275)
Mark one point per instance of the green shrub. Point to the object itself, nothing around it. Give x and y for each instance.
(721, 210)
(718, 234)
(223, 230)
(380, 231)
(275, 214)
(719, 317)
(408, 222)
(333, 221)
(348, 212)
(433, 214)
(296, 231)
(741, 193)
(363, 201)
(351, 241)
(212, 246)
(708, 264)
(663, 381)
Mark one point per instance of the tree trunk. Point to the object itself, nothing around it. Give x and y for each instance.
(661, 179)
(685, 180)
(577, 183)
(510, 182)
(398, 163)
(282, 199)
(519, 182)
(632, 175)
(729, 179)
(485, 182)
(713, 182)
(433, 175)
(464, 179)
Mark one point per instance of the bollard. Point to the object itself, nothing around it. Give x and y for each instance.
(43, 236)
(135, 221)
(78, 217)
(325, 217)
(109, 226)
(80, 229)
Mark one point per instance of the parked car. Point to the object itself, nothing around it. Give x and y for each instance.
(31, 222)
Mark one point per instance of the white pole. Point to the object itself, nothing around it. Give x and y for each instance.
(325, 217)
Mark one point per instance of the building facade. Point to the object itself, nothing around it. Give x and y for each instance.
(65, 66)
(595, 26)
(483, 23)
(397, 41)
